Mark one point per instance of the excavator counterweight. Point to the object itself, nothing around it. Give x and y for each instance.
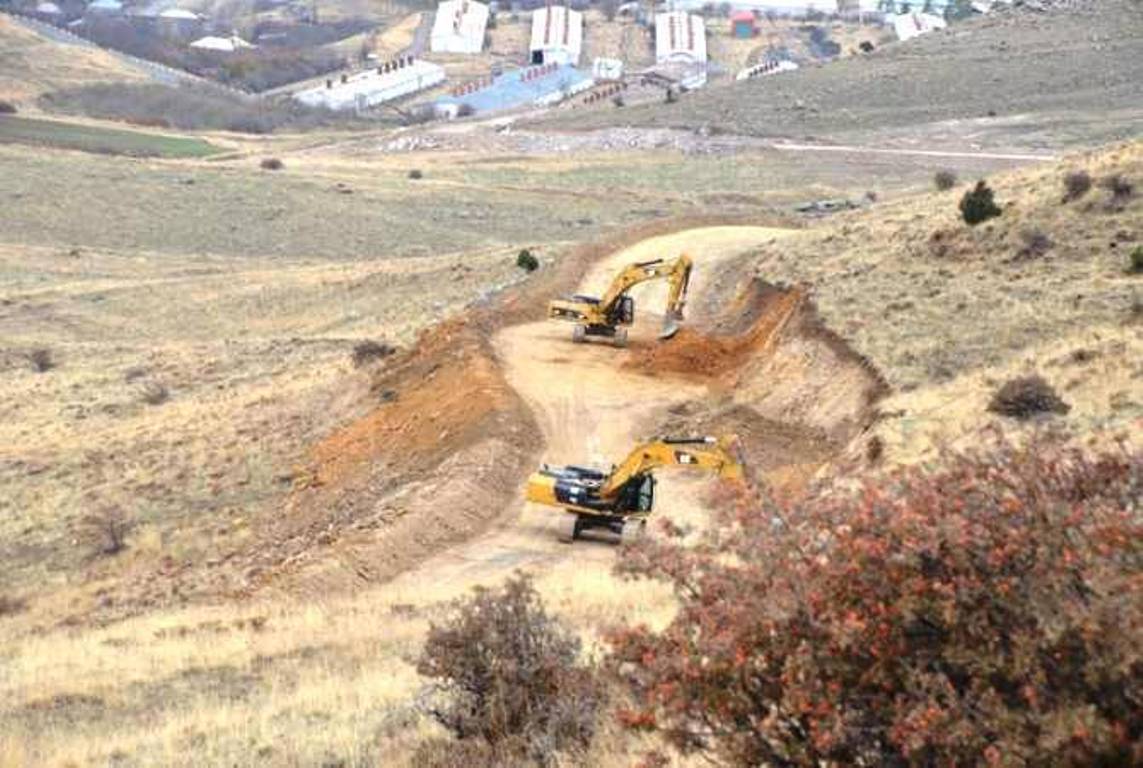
(610, 315)
(622, 499)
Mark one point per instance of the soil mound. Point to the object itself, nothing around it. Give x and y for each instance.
(749, 325)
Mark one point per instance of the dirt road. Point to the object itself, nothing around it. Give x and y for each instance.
(591, 410)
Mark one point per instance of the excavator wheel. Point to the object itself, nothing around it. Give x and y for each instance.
(568, 528)
(620, 337)
(579, 334)
(633, 530)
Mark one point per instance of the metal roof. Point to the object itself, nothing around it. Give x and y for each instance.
(459, 27)
(557, 26)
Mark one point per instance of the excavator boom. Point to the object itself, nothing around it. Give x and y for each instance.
(715, 454)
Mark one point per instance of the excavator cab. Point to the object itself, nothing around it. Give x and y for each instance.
(637, 496)
(624, 311)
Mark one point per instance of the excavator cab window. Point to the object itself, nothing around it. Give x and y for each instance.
(646, 494)
(626, 310)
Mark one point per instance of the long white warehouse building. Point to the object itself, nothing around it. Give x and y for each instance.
(557, 35)
(459, 27)
(375, 86)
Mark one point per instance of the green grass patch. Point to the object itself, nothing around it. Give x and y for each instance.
(109, 141)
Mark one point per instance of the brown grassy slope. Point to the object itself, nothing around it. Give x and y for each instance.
(1089, 60)
(946, 311)
(31, 64)
(327, 210)
(255, 356)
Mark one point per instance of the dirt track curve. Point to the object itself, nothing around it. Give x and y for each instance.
(593, 404)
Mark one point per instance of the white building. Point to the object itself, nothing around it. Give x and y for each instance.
(910, 25)
(179, 14)
(680, 37)
(389, 81)
(459, 27)
(221, 44)
(557, 35)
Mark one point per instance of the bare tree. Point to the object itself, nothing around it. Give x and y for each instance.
(106, 531)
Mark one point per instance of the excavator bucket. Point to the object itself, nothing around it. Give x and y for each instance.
(670, 325)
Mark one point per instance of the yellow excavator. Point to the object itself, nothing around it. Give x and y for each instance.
(620, 501)
(610, 315)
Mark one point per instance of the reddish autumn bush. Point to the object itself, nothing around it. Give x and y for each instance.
(983, 613)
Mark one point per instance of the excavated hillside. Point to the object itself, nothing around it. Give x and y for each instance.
(458, 421)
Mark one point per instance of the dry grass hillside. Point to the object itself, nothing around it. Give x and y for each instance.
(31, 65)
(1077, 66)
(948, 312)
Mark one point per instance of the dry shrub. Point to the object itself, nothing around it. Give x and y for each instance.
(983, 612)
(1036, 244)
(1076, 185)
(944, 180)
(154, 392)
(1120, 187)
(105, 532)
(513, 686)
(1025, 397)
(10, 606)
(416, 174)
(41, 359)
(365, 352)
(272, 164)
(875, 449)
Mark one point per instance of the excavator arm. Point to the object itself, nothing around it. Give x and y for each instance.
(719, 455)
(678, 275)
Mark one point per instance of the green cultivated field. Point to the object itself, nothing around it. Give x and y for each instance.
(111, 141)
